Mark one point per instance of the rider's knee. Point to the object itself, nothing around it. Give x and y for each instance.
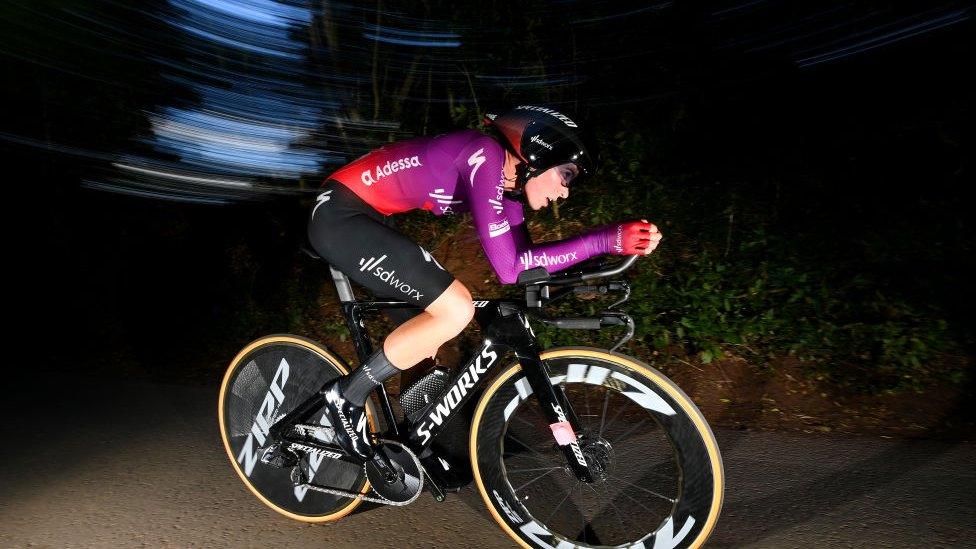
(454, 305)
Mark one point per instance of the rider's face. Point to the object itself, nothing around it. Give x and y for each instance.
(545, 188)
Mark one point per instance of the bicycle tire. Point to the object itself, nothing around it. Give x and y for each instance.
(684, 520)
(268, 378)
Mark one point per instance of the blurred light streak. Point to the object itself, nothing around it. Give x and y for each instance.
(889, 38)
(255, 113)
(524, 81)
(654, 7)
(411, 38)
(737, 7)
(159, 194)
(181, 177)
(846, 22)
(260, 11)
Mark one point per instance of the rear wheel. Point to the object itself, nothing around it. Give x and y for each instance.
(659, 477)
(268, 379)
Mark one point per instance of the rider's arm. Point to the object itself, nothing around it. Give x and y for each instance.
(501, 224)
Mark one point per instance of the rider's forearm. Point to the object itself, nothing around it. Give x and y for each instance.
(555, 256)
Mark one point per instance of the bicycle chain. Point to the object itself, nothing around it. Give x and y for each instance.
(325, 454)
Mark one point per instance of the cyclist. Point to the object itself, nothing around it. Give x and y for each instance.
(531, 157)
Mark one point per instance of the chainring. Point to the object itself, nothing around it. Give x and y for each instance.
(409, 481)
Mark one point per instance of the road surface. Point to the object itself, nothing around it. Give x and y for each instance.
(93, 463)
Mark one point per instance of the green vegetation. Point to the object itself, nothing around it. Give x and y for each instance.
(731, 279)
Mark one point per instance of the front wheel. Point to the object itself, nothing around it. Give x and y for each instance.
(659, 479)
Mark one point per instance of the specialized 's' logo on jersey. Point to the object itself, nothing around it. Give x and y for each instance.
(446, 200)
(476, 160)
(370, 177)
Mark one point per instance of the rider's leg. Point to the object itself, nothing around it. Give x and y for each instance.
(412, 341)
(352, 237)
(422, 335)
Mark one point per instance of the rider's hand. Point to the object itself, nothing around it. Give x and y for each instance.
(635, 238)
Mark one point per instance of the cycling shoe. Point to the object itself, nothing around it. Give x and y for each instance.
(349, 422)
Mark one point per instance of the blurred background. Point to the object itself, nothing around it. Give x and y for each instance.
(809, 164)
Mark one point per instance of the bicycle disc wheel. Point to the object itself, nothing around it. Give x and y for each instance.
(268, 379)
(659, 476)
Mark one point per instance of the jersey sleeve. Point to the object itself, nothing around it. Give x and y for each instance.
(500, 222)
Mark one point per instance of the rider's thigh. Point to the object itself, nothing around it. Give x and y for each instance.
(454, 305)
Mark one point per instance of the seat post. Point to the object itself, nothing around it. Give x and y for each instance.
(343, 287)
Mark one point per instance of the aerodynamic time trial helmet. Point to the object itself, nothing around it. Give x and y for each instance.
(541, 138)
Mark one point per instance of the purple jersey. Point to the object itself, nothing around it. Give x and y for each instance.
(462, 172)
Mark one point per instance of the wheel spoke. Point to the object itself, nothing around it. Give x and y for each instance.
(529, 448)
(643, 489)
(608, 499)
(579, 508)
(603, 417)
(561, 503)
(526, 422)
(586, 402)
(628, 431)
(639, 502)
(531, 470)
(535, 479)
(613, 419)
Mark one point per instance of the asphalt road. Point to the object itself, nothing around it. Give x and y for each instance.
(115, 464)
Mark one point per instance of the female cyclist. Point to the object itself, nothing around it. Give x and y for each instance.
(531, 157)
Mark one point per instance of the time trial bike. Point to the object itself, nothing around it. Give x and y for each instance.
(568, 446)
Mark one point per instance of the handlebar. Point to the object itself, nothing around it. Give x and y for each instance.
(538, 285)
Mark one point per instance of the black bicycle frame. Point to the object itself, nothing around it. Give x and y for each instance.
(506, 329)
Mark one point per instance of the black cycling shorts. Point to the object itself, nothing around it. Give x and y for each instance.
(359, 241)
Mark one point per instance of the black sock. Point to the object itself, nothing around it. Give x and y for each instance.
(356, 386)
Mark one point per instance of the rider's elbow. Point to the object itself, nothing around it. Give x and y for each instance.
(507, 277)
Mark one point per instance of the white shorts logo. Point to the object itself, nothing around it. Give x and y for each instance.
(372, 266)
(429, 258)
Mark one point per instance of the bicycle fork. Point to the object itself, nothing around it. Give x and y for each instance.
(557, 410)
